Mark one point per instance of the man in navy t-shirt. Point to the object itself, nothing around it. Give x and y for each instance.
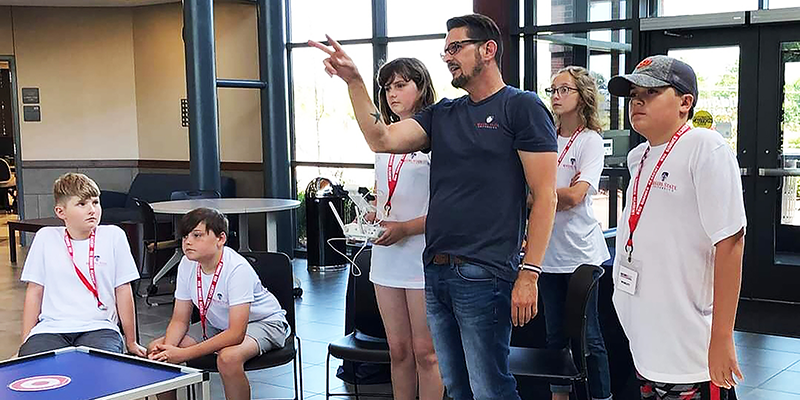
(485, 148)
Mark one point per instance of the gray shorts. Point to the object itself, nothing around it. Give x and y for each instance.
(269, 334)
(103, 339)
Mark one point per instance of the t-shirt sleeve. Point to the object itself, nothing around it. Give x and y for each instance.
(591, 161)
(425, 118)
(34, 270)
(532, 124)
(240, 285)
(718, 186)
(182, 287)
(124, 266)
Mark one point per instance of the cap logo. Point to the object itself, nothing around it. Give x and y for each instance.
(644, 63)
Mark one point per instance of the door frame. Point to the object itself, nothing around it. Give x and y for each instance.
(17, 136)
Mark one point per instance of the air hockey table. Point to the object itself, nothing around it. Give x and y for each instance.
(77, 373)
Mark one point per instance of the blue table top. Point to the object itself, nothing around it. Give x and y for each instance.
(93, 375)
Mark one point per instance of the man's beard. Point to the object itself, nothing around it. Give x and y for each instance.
(462, 80)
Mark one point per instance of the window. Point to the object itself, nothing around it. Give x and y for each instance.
(417, 17)
(312, 19)
(552, 12)
(324, 125)
(694, 7)
(783, 3)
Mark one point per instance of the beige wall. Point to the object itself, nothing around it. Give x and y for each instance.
(111, 80)
(161, 82)
(81, 59)
(6, 38)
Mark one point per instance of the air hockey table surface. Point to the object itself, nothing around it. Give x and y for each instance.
(97, 374)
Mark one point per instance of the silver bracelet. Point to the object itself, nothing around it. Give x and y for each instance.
(531, 267)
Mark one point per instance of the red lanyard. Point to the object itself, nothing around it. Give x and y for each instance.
(203, 306)
(636, 207)
(91, 286)
(569, 144)
(393, 176)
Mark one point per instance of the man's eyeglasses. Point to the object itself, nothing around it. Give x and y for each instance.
(561, 91)
(454, 47)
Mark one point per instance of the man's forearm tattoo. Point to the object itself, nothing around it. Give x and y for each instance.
(377, 115)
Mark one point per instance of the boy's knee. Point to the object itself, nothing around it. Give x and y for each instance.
(229, 360)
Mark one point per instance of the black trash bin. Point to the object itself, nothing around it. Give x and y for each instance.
(322, 225)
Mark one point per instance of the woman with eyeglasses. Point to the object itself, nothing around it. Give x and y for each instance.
(577, 237)
(402, 184)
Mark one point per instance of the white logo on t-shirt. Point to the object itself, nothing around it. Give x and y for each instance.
(489, 119)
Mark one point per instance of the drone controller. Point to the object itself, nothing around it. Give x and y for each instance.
(361, 230)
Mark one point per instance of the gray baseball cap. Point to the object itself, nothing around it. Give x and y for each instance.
(657, 71)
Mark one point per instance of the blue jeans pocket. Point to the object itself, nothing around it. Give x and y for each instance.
(473, 273)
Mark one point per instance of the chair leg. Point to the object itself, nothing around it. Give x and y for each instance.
(355, 382)
(300, 364)
(328, 376)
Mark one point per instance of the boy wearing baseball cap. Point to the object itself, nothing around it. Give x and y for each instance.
(677, 270)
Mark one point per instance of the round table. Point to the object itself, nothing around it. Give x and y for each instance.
(239, 206)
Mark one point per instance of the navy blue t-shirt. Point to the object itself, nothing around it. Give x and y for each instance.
(478, 187)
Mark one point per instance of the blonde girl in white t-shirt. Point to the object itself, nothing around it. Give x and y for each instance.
(577, 237)
(402, 187)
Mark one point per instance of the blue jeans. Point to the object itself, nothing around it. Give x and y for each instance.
(553, 288)
(469, 315)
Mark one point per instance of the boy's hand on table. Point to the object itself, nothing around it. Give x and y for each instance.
(168, 353)
(136, 349)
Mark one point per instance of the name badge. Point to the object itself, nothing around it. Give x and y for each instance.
(627, 277)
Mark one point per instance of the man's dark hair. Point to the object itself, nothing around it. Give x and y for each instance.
(480, 27)
(215, 221)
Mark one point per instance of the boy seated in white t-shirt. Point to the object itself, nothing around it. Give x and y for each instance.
(79, 278)
(239, 318)
(678, 264)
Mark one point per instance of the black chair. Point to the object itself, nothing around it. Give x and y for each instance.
(152, 245)
(559, 364)
(365, 339)
(275, 272)
(8, 187)
(194, 194)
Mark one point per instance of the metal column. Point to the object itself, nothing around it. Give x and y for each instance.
(274, 117)
(201, 90)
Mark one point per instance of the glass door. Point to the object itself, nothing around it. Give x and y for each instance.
(749, 82)
(772, 270)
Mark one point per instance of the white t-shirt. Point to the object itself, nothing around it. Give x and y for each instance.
(577, 237)
(238, 284)
(67, 305)
(695, 202)
(400, 265)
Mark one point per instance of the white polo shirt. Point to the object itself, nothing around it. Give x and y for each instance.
(238, 284)
(695, 202)
(577, 237)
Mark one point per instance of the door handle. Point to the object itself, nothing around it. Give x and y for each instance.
(779, 172)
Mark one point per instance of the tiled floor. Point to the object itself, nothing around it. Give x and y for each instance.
(771, 364)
